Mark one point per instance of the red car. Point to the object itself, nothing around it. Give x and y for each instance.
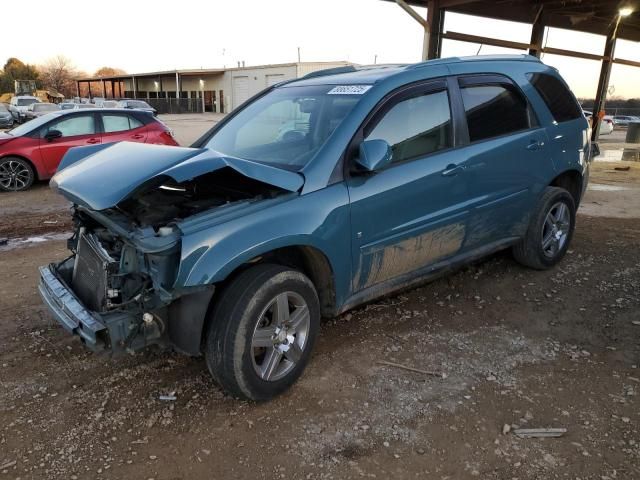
(33, 150)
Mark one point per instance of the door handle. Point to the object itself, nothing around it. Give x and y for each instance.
(93, 140)
(534, 145)
(452, 170)
(137, 135)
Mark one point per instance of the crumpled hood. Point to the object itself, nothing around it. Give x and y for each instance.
(101, 176)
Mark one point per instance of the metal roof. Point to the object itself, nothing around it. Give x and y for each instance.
(592, 16)
(200, 71)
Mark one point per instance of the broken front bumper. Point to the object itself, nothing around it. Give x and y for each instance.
(68, 311)
(98, 332)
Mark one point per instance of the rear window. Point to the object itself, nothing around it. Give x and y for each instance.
(556, 96)
(45, 107)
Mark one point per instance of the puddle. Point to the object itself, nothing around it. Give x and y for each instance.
(599, 187)
(618, 155)
(14, 243)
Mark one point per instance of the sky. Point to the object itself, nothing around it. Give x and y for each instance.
(149, 35)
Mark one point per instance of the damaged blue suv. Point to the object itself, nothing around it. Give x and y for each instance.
(315, 196)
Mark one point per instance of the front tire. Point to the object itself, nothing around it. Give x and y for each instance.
(263, 329)
(16, 174)
(550, 230)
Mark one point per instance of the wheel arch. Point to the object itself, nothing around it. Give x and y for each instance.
(37, 176)
(572, 181)
(189, 331)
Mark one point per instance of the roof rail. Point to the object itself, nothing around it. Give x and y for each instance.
(476, 58)
(331, 71)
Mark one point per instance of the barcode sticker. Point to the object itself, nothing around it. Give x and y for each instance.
(349, 90)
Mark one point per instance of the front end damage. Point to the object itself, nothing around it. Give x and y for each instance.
(115, 290)
(118, 290)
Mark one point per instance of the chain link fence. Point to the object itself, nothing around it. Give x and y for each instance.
(175, 105)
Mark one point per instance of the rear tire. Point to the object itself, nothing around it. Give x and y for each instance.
(16, 174)
(263, 328)
(550, 230)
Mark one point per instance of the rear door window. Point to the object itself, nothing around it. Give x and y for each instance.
(494, 110)
(119, 123)
(558, 98)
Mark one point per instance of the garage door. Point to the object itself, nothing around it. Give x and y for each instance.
(240, 90)
(274, 78)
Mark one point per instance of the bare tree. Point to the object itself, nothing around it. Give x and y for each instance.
(59, 73)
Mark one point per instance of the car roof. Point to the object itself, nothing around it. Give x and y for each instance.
(62, 113)
(373, 74)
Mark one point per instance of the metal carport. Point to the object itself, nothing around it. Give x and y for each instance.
(611, 18)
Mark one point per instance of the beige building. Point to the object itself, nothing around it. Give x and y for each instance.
(218, 90)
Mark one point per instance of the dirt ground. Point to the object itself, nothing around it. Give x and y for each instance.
(518, 347)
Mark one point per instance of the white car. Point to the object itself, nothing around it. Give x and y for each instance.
(607, 122)
(20, 104)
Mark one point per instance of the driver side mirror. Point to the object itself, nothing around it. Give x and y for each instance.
(374, 155)
(52, 135)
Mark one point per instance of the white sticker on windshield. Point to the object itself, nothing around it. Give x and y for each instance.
(349, 90)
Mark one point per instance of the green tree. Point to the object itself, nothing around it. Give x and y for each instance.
(15, 69)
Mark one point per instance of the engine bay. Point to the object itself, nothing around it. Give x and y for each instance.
(166, 201)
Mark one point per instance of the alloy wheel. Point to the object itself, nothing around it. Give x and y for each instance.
(555, 231)
(280, 336)
(14, 175)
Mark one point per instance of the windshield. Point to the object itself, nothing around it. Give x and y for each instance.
(138, 104)
(109, 104)
(25, 102)
(285, 127)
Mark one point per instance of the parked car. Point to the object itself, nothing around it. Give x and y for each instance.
(623, 120)
(137, 105)
(33, 151)
(234, 248)
(82, 106)
(20, 105)
(38, 109)
(67, 105)
(109, 104)
(6, 119)
(607, 122)
(97, 101)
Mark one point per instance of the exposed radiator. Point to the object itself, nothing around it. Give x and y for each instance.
(90, 272)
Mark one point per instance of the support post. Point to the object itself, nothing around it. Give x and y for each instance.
(423, 23)
(134, 87)
(432, 45)
(89, 85)
(603, 81)
(177, 85)
(102, 85)
(537, 35)
(78, 88)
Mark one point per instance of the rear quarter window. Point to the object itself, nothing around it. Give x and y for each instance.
(557, 97)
